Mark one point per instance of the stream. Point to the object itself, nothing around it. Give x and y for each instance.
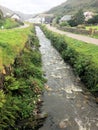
(68, 104)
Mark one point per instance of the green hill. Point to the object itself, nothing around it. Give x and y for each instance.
(72, 6)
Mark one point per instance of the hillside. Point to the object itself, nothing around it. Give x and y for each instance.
(71, 6)
(22, 15)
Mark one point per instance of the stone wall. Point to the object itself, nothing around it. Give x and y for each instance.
(78, 30)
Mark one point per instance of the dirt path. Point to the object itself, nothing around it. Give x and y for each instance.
(75, 36)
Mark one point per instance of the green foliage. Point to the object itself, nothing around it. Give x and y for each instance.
(11, 43)
(2, 98)
(57, 40)
(82, 56)
(1, 14)
(69, 55)
(71, 7)
(95, 27)
(62, 24)
(9, 23)
(9, 112)
(1, 22)
(77, 19)
(93, 20)
(21, 89)
(57, 19)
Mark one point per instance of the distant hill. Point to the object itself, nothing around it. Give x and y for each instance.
(6, 10)
(22, 15)
(72, 6)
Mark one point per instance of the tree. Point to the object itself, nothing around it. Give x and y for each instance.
(93, 20)
(1, 14)
(77, 19)
(1, 18)
(57, 19)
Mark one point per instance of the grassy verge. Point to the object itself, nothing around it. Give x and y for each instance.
(9, 23)
(22, 87)
(11, 43)
(82, 56)
(92, 27)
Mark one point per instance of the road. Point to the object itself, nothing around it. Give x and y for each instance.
(75, 36)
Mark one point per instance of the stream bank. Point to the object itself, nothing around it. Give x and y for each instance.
(68, 104)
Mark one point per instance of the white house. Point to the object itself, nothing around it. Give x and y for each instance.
(88, 15)
(15, 16)
(7, 15)
(36, 19)
(65, 18)
(41, 18)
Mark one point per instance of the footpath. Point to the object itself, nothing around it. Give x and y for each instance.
(75, 36)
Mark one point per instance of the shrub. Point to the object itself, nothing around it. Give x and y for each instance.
(64, 24)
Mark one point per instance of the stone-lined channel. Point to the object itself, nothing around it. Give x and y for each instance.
(68, 104)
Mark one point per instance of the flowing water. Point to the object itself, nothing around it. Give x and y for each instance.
(68, 104)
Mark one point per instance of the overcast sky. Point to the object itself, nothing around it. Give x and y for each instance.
(30, 6)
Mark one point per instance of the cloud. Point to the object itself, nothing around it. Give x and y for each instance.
(30, 6)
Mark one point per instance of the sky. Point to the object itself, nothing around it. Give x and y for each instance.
(30, 6)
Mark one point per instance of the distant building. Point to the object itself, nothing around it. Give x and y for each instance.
(42, 18)
(35, 19)
(7, 15)
(88, 15)
(16, 17)
(48, 20)
(66, 18)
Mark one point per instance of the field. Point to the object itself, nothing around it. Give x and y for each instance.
(92, 27)
(11, 43)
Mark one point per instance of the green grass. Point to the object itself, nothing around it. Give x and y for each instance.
(8, 23)
(82, 56)
(92, 27)
(11, 43)
(84, 48)
(22, 88)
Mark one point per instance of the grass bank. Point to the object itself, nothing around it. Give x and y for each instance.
(92, 27)
(11, 43)
(82, 56)
(24, 84)
(9, 23)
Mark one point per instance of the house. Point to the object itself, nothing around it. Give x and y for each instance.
(42, 18)
(15, 16)
(65, 18)
(7, 15)
(35, 19)
(46, 18)
(88, 15)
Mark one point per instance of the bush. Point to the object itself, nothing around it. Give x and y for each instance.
(64, 24)
(93, 20)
